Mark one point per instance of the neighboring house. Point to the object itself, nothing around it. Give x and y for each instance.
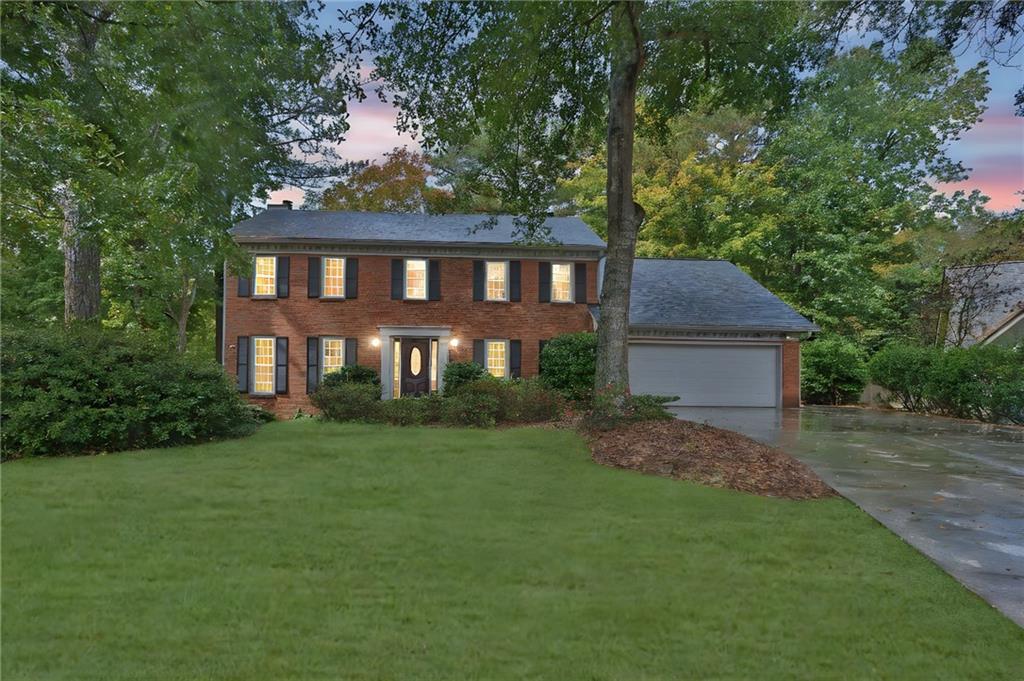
(406, 294)
(986, 304)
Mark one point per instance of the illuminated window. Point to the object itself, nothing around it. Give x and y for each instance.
(561, 282)
(265, 283)
(333, 354)
(334, 278)
(497, 280)
(416, 279)
(263, 365)
(433, 364)
(396, 379)
(497, 352)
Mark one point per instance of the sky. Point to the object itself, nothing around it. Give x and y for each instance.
(992, 151)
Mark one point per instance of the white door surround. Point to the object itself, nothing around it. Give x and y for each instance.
(443, 334)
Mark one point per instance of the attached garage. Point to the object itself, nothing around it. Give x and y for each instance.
(707, 332)
(707, 375)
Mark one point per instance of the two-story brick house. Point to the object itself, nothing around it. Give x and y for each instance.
(406, 294)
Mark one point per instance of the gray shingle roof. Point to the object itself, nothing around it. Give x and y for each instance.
(998, 290)
(706, 294)
(279, 224)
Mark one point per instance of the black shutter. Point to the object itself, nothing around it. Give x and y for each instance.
(281, 365)
(581, 282)
(478, 279)
(351, 351)
(242, 365)
(544, 282)
(434, 280)
(397, 275)
(352, 277)
(478, 352)
(540, 356)
(312, 363)
(515, 358)
(245, 283)
(314, 276)
(283, 272)
(515, 281)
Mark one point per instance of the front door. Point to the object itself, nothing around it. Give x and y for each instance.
(415, 366)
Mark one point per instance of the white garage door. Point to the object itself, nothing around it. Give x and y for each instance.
(707, 375)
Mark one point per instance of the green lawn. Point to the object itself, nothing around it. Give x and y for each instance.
(315, 550)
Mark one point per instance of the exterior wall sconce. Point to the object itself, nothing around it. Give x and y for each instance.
(375, 342)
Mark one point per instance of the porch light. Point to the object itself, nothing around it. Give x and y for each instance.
(454, 342)
(375, 342)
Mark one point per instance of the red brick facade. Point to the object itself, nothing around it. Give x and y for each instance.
(791, 373)
(299, 316)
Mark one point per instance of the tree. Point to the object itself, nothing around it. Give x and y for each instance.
(144, 85)
(401, 184)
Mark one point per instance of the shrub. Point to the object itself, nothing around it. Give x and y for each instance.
(568, 363)
(403, 411)
(470, 409)
(903, 370)
(433, 405)
(90, 390)
(833, 371)
(355, 373)
(458, 374)
(615, 406)
(343, 401)
(530, 401)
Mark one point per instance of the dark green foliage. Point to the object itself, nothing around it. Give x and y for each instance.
(355, 373)
(470, 409)
(980, 382)
(531, 401)
(615, 406)
(457, 374)
(92, 390)
(833, 370)
(343, 401)
(903, 370)
(259, 414)
(568, 363)
(403, 411)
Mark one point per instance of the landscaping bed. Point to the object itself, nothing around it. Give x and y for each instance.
(711, 456)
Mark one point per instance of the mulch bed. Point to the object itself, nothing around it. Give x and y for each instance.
(711, 456)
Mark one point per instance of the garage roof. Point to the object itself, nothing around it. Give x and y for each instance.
(706, 294)
(282, 224)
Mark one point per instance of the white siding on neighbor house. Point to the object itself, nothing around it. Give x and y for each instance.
(716, 375)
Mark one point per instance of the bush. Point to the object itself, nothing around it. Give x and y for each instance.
(470, 409)
(403, 411)
(530, 401)
(91, 390)
(833, 371)
(568, 364)
(615, 406)
(458, 374)
(355, 373)
(343, 401)
(980, 382)
(903, 370)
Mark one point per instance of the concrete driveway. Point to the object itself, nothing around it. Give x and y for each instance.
(952, 489)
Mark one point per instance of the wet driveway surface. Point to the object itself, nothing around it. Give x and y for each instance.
(954, 490)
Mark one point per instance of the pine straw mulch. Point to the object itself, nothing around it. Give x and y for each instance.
(711, 456)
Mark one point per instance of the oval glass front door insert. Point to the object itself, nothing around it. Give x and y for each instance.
(415, 362)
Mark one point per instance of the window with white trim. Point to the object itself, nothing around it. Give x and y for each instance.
(333, 354)
(416, 279)
(496, 358)
(497, 280)
(561, 282)
(263, 365)
(265, 279)
(333, 278)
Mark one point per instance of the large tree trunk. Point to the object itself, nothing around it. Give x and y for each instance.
(81, 262)
(624, 214)
(180, 314)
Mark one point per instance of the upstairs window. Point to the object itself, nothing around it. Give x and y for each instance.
(263, 366)
(497, 280)
(334, 278)
(497, 358)
(333, 355)
(561, 282)
(416, 279)
(265, 281)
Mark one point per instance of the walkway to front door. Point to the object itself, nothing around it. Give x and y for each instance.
(415, 366)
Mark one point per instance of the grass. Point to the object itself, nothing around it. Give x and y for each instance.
(322, 551)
